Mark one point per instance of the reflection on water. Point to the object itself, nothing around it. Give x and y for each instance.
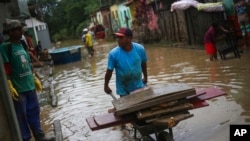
(79, 87)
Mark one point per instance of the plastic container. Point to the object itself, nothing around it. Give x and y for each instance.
(66, 55)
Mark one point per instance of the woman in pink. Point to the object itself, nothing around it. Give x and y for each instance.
(209, 40)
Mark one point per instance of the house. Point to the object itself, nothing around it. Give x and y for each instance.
(112, 14)
(39, 31)
(157, 19)
(18, 9)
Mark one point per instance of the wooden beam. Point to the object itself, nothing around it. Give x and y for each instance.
(149, 94)
(108, 120)
(156, 113)
(58, 130)
(172, 121)
(153, 102)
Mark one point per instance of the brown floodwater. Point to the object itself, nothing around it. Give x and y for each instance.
(79, 87)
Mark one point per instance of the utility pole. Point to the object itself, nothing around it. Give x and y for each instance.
(9, 129)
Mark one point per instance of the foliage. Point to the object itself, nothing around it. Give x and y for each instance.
(39, 8)
(81, 26)
(61, 35)
(65, 18)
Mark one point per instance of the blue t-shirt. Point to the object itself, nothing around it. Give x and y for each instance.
(241, 9)
(127, 67)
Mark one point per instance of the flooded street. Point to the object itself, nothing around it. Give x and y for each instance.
(79, 87)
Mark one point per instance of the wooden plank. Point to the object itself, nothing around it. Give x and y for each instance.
(198, 93)
(172, 121)
(163, 90)
(92, 125)
(151, 120)
(211, 92)
(58, 130)
(108, 120)
(180, 93)
(195, 104)
(173, 106)
(114, 120)
(168, 104)
(151, 103)
(196, 101)
(132, 99)
(156, 113)
(171, 97)
(149, 94)
(110, 117)
(199, 104)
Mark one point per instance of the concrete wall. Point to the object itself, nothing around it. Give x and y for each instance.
(44, 37)
(39, 31)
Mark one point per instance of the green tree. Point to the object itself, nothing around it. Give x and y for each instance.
(40, 8)
(66, 18)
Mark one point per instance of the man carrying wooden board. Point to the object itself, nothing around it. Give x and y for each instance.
(129, 60)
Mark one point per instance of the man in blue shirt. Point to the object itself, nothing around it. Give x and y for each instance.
(129, 60)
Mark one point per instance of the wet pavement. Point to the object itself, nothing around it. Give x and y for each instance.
(79, 87)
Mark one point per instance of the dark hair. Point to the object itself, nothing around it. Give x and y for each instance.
(215, 25)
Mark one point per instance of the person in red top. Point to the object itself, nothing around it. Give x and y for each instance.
(30, 43)
(31, 48)
(210, 40)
